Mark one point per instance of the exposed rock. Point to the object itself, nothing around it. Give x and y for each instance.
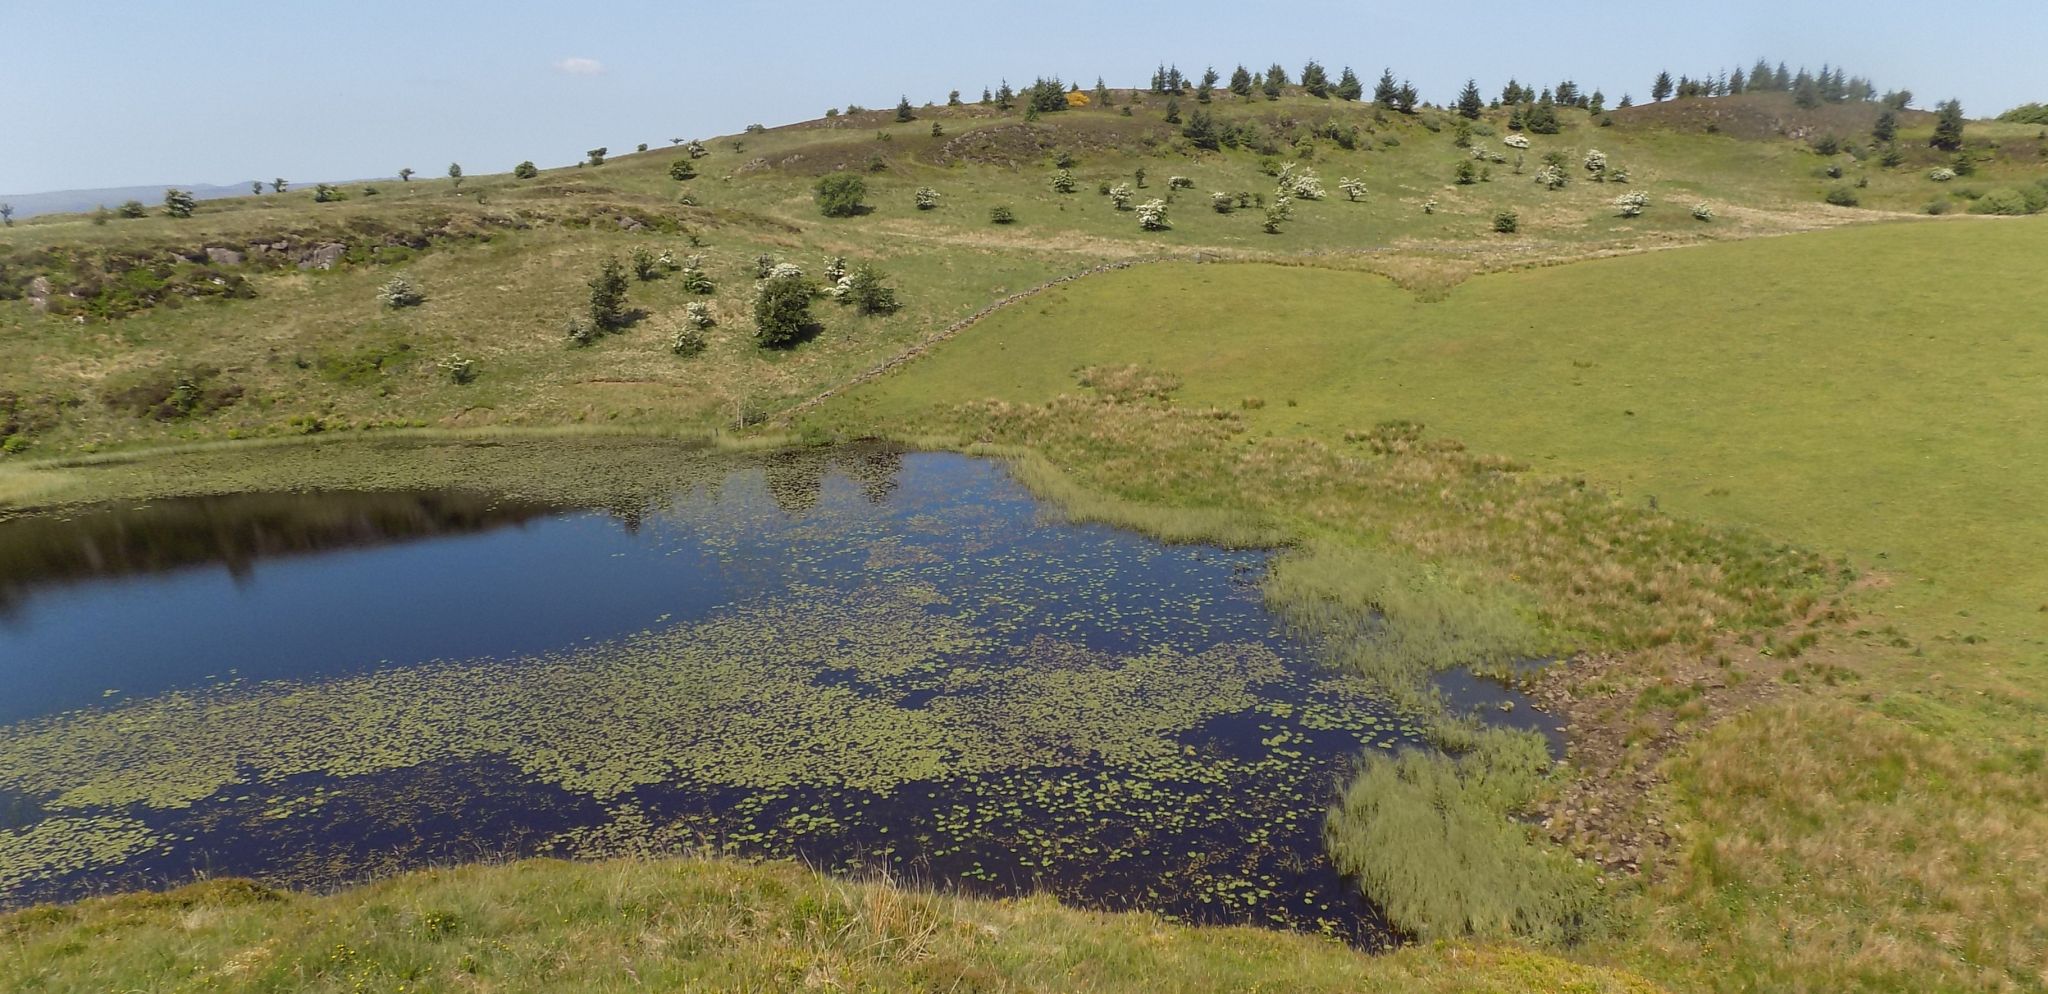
(322, 256)
(39, 294)
(630, 223)
(223, 256)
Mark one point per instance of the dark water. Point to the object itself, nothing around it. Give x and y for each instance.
(869, 660)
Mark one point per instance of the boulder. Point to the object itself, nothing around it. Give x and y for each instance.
(39, 294)
(223, 256)
(322, 256)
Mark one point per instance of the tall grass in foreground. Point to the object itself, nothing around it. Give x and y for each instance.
(1432, 838)
(692, 925)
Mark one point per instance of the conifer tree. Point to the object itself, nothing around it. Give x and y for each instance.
(1241, 82)
(1207, 91)
(1172, 110)
(1948, 125)
(1314, 81)
(1101, 93)
(1006, 98)
(1348, 86)
(903, 113)
(1470, 103)
(1781, 81)
(1660, 91)
(1386, 92)
(1735, 83)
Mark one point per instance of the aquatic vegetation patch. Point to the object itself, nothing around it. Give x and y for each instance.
(56, 847)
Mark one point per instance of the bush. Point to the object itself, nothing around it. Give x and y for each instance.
(1596, 164)
(399, 292)
(580, 333)
(179, 203)
(1222, 203)
(927, 198)
(1001, 215)
(864, 289)
(1120, 196)
(1843, 196)
(1354, 189)
(1467, 173)
(1063, 181)
(1429, 206)
(1632, 204)
(1938, 207)
(1179, 183)
(1152, 215)
(1551, 178)
(682, 169)
(2005, 201)
(1941, 174)
(1507, 222)
(645, 267)
(608, 297)
(782, 311)
(689, 340)
(1702, 212)
(525, 170)
(132, 209)
(459, 370)
(839, 194)
(693, 278)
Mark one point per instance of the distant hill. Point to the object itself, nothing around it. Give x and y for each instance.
(27, 205)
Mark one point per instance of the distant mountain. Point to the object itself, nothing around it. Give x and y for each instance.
(27, 205)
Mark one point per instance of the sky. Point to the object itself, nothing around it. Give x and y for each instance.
(131, 92)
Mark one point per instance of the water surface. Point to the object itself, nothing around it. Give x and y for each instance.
(871, 660)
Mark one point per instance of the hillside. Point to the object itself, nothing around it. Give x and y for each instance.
(260, 316)
(1756, 466)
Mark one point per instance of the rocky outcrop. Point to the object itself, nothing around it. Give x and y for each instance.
(322, 256)
(223, 256)
(39, 294)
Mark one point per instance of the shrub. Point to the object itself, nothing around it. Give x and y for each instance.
(645, 267)
(596, 156)
(1827, 145)
(927, 198)
(1304, 185)
(1000, 214)
(1354, 189)
(682, 169)
(1276, 215)
(132, 209)
(1152, 215)
(1596, 163)
(1063, 181)
(1222, 203)
(1551, 178)
(459, 370)
(399, 292)
(1120, 196)
(179, 203)
(525, 170)
(1941, 174)
(689, 340)
(693, 278)
(1702, 212)
(835, 269)
(608, 296)
(580, 333)
(782, 310)
(1843, 196)
(1938, 207)
(1466, 174)
(2005, 201)
(326, 194)
(1179, 183)
(1429, 206)
(1632, 204)
(864, 289)
(1507, 222)
(839, 194)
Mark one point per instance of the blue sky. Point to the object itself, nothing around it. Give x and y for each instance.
(124, 92)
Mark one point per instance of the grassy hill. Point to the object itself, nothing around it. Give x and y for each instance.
(1777, 491)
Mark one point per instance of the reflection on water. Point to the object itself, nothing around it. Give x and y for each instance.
(862, 658)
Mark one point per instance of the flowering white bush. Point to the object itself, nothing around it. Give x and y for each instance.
(1551, 178)
(1303, 184)
(1063, 181)
(1516, 141)
(1481, 152)
(835, 268)
(696, 149)
(693, 278)
(1353, 188)
(1615, 174)
(1632, 204)
(1179, 183)
(400, 292)
(697, 314)
(1283, 207)
(1941, 174)
(1596, 162)
(927, 198)
(784, 270)
(1429, 206)
(840, 287)
(1152, 215)
(1702, 212)
(1222, 202)
(1120, 195)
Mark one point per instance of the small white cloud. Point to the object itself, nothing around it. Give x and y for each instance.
(577, 66)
